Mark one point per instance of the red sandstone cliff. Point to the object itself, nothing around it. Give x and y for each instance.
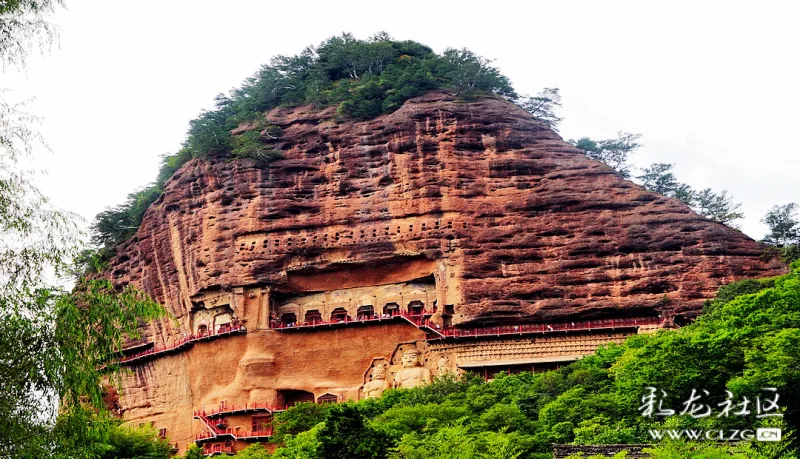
(534, 229)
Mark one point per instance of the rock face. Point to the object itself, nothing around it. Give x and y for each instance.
(470, 210)
(538, 230)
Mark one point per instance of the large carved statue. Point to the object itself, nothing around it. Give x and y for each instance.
(413, 374)
(374, 388)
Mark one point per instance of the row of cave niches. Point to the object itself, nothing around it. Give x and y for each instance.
(436, 229)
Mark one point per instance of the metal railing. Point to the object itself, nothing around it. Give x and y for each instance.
(347, 320)
(186, 341)
(225, 410)
(236, 434)
(422, 321)
(452, 332)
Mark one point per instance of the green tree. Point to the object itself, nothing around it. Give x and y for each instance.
(345, 433)
(718, 207)
(659, 178)
(304, 445)
(194, 452)
(298, 418)
(784, 225)
(23, 27)
(256, 451)
(542, 106)
(612, 152)
(106, 439)
(465, 73)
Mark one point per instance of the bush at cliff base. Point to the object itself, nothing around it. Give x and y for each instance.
(747, 339)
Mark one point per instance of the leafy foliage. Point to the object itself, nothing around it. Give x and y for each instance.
(23, 28)
(784, 230)
(255, 451)
(659, 178)
(784, 225)
(613, 152)
(542, 106)
(92, 322)
(345, 433)
(717, 206)
(83, 434)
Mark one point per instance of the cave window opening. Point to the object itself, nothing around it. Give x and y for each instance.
(339, 315)
(202, 330)
(288, 319)
(328, 398)
(416, 308)
(290, 397)
(313, 317)
(365, 312)
(391, 309)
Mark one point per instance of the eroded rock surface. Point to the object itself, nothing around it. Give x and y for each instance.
(536, 230)
(469, 208)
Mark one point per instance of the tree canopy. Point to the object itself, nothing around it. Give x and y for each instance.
(784, 230)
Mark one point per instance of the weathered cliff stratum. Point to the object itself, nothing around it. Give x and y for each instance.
(468, 210)
(536, 229)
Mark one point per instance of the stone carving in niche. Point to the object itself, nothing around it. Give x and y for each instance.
(413, 374)
(443, 365)
(378, 381)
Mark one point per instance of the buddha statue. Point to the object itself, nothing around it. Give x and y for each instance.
(413, 374)
(378, 384)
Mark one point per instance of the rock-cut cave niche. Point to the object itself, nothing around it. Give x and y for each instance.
(417, 297)
(211, 320)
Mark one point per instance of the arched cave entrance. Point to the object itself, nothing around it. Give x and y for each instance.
(328, 398)
(339, 315)
(291, 397)
(313, 317)
(365, 312)
(391, 309)
(416, 308)
(288, 319)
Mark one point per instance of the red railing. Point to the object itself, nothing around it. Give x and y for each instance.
(233, 409)
(423, 322)
(183, 342)
(236, 434)
(327, 323)
(549, 328)
(208, 450)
